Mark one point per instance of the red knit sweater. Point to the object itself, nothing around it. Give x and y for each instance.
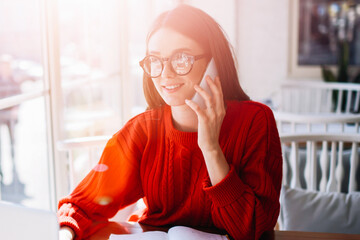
(148, 158)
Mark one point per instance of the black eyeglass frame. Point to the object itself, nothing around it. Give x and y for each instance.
(193, 59)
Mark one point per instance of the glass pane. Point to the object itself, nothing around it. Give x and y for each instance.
(138, 27)
(90, 66)
(92, 106)
(20, 47)
(23, 155)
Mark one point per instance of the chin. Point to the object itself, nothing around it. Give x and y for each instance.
(175, 103)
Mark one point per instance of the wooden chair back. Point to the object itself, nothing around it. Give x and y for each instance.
(321, 123)
(324, 155)
(319, 97)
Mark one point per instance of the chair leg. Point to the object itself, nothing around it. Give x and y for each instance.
(11, 127)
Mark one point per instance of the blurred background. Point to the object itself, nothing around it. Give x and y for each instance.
(69, 74)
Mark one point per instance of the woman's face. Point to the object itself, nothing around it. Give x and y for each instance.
(174, 89)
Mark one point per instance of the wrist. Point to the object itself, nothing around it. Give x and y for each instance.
(216, 164)
(212, 153)
(66, 233)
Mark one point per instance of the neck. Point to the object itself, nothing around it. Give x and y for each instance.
(184, 118)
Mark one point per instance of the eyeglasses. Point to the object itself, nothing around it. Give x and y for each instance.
(181, 63)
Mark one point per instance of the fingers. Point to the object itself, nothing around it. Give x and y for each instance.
(204, 92)
(215, 86)
(215, 99)
(196, 108)
(218, 95)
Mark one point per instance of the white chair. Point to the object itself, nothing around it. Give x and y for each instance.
(328, 200)
(319, 97)
(85, 152)
(87, 148)
(325, 154)
(288, 122)
(319, 129)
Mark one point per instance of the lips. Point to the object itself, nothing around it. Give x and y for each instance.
(172, 88)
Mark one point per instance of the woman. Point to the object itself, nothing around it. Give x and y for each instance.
(218, 166)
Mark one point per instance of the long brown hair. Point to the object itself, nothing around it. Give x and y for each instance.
(198, 25)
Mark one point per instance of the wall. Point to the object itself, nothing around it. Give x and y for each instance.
(263, 46)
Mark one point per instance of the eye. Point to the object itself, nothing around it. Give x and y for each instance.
(182, 63)
(153, 59)
(181, 60)
(153, 65)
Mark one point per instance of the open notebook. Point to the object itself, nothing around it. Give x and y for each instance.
(174, 233)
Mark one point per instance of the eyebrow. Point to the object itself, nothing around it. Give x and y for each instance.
(174, 51)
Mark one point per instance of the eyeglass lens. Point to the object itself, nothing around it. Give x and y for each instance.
(181, 63)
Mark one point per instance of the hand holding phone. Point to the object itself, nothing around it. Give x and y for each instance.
(211, 71)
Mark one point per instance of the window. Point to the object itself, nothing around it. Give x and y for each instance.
(90, 59)
(25, 155)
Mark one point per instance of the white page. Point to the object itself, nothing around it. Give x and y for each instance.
(152, 235)
(182, 233)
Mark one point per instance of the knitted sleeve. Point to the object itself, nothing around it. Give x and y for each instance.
(246, 201)
(111, 185)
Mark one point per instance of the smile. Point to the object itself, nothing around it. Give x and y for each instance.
(172, 87)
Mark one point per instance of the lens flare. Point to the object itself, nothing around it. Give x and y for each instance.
(100, 167)
(104, 200)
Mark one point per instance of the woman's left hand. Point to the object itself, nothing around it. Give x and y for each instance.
(210, 120)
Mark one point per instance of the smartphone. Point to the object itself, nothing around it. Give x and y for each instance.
(211, 71)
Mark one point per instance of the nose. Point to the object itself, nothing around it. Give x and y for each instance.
(168, 72)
